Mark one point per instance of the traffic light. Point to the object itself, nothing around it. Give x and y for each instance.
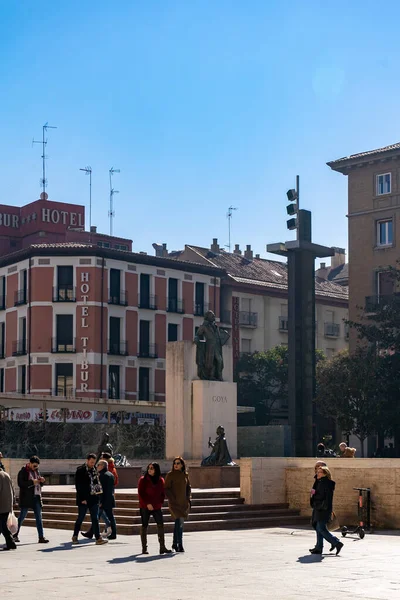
(292, 209)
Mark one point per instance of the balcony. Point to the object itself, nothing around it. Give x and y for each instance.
(2, 302)
(64, 293)
(372, 303)
(62, 346)
(284, 324)
(174, 305)
(147, 351)
(118, 298)
(331, 330)
(147, 396)
(248, 319)
(64, 391)
(20, 297)
(117, 348)
(200, 309)
(149, 302)
(19, 347)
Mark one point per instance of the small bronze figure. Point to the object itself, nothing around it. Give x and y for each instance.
(219, 456)
(209, 341)
(104, 446)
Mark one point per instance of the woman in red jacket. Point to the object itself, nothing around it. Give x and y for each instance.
(151, 498)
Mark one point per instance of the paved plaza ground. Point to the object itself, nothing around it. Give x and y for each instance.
(264, 563)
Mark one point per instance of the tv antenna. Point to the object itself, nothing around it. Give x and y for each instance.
(111, 212)
(88, 171)
(229, 217)
(43, 181)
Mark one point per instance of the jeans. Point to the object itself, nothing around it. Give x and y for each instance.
(37, 509)
(103, 514)
(94, 516)
(323, 533)
(145, 515)
(5, 531)
(178, 532)
(108, 514)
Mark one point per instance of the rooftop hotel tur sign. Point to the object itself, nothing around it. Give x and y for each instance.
(41, 214)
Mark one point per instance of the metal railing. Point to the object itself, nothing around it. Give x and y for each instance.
(248, 319)
(148, 350)
(64, 293)
(61, 346)
(149, 302)
(175, 305)
(20, 297)
(372, 303)
(117, 298)
(331, 329)
(118, 348)
(64, 391)
(19, 347)
(200, 309)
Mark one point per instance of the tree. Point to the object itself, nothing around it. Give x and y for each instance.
(263, 381)
(348, 390)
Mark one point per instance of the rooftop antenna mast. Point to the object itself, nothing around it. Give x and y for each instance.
(88, 171)
(229, 217)
(43, 181)
(111, 212)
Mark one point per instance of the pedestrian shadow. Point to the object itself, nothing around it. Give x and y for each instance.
(67, 546)
(139, 558)
(310, 558)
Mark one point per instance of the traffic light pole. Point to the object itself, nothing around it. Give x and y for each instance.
(301, 255)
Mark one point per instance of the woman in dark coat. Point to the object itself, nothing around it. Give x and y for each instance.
(178, 491)
(151, 493)
(321, 500)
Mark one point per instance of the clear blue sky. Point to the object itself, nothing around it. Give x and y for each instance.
(201, 104)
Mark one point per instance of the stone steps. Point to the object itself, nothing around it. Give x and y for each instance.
(211, 510)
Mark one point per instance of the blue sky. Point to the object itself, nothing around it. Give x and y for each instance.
(200, 104)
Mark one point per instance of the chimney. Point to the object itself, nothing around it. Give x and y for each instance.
(257, 256)
(237, 250)
(215, 246)
(93, 229)
(322, 266)
(322, 272)
(248, 253)
(339, 258)
(161, 249)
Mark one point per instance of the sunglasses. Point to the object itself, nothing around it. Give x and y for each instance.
(177, 463)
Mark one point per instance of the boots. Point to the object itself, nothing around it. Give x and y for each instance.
(161, 539)
(143, 537)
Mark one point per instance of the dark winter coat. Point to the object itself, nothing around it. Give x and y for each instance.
(82, 485)
(178, 490)
(322, 500)
(151, 493)
(27, 488)
(107, 499)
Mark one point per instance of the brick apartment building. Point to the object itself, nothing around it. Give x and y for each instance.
(81, 314)
(374, 217)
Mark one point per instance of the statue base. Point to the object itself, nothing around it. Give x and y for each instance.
(213, 403)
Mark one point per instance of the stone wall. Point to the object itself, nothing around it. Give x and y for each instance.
(268, 440)
(271, 480)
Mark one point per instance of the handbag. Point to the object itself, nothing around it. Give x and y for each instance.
(12, 523)
(333, 523)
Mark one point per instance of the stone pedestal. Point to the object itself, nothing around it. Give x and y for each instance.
(214, 403)
(195, 408)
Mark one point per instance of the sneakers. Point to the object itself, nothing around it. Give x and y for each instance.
(101, 541)
(43, 540)
(75, 540)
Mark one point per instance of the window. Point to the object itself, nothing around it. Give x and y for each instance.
(113, 382)
(64, 379)
(384, 283)
(1, 380)
(383, 184)
(22, 379)
(199, 307)
(65, 285)
(115, 286)
(103, 244)
(172, 332)
(2, 293)
(2, 339)
(115, 335)
(144, 383)
(245, 346)
(121, 247)
(384, 233)
(64, 341)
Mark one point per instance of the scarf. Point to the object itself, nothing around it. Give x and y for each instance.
(32, 476)
(95, 485)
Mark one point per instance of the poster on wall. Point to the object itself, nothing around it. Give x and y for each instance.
(55, 415)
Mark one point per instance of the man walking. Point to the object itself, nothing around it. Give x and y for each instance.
(30, 484)
(88, 493)
(107, 499)
(6, 506)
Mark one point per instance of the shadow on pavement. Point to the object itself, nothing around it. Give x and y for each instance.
(139, 558)
(68, 546)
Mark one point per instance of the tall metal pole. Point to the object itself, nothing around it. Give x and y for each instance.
(112, 192)
(88, 171)
(229, 215)
(45, 127)
(298, 204)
